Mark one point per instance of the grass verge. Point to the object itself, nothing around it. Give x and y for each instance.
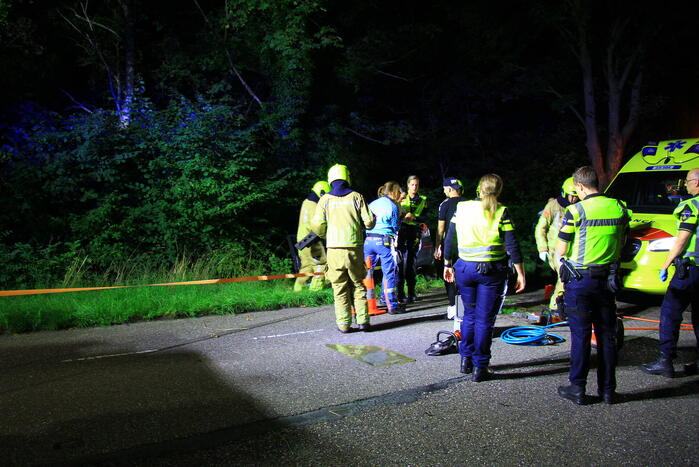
(28, 313)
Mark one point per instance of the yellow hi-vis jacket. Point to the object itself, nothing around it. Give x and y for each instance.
(342, 220)
(308, 210)
(597, 227)
(687, 213)
(416, 207)
(478, 236)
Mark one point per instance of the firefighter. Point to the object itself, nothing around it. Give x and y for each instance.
(546, 233)
(452, 190)
(341, 217)
(380, 242)
(482, 233)
(684, 286)
(590, 240)
(312, 257)
(413, 204)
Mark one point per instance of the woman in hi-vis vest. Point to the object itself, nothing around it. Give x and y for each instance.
(481, 236)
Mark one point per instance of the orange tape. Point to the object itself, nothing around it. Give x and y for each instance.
(682, 325)
(8, 293)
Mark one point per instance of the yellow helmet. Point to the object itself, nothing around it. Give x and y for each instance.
(569, 187)
(321, 187)
(338, 172)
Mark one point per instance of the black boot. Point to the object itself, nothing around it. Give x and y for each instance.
(691, 368)
(481, 373)
(662, 366)
(466, 365)
(609, 397)
(573, 393)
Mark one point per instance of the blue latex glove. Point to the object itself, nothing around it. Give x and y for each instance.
(663, 275)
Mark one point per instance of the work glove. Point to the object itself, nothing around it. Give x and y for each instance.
(663, 275)
(543, 256)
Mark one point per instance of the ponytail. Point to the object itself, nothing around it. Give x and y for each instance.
(389, 188)
(489, 188)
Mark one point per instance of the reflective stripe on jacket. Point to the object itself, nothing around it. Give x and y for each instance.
(546, 231)
(308, 209)
(479, 237)
(687, 214)
(597, 227)
(342, 220)
(416, 207)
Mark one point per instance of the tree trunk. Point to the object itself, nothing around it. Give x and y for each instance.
(129, 40)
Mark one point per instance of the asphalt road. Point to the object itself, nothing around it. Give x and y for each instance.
(265, 388)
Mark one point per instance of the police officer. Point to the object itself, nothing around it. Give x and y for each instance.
(484, 234)
(452, 190)
(590, 241)
(413, 204)
(379, 245)
(341, 217)
(546, 233)
(684, 286)
(312, 257)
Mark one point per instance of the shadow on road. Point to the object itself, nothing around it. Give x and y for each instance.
(687, 388)
(115, 409)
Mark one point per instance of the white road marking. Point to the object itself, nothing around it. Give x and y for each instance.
(288, 334)
(97, 357)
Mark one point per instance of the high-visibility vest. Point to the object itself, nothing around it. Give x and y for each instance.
(478, 236)
(687, 212)
(416, 207)
(598, 225)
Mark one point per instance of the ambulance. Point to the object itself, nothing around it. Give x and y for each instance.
(652, 184)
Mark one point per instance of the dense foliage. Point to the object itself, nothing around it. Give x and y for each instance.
(151, 131)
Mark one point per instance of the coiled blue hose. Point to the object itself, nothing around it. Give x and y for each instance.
(532, 335)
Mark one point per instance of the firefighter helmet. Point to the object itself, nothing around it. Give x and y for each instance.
(338, 172)
(321, 187)
(568, 187)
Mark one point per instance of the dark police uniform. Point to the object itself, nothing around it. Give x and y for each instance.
(682, 291)
(595, 230)
(481, 272)
(408, 243)
(447, 208)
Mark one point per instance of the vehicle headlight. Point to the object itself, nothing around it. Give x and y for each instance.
(662, 244)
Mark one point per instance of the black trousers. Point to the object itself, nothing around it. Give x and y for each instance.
(407, 246)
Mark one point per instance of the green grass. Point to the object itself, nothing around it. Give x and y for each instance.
(107, 307)
(27, 313)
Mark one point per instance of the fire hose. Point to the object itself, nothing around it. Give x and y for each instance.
(537, 335)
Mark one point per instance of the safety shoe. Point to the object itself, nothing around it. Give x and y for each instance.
(344, 328)
(608, 397)
(364, 327)
(380, 303)
(572, 393)
(481, 373)
(412, 299)
(691, 368)
(397, 310)
(466, 365)
(662, 366)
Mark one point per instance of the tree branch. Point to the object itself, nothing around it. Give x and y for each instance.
(570, 107)
(229, 58)
(392, 75)
(76, 102)
(634, 108)
(368, 138)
